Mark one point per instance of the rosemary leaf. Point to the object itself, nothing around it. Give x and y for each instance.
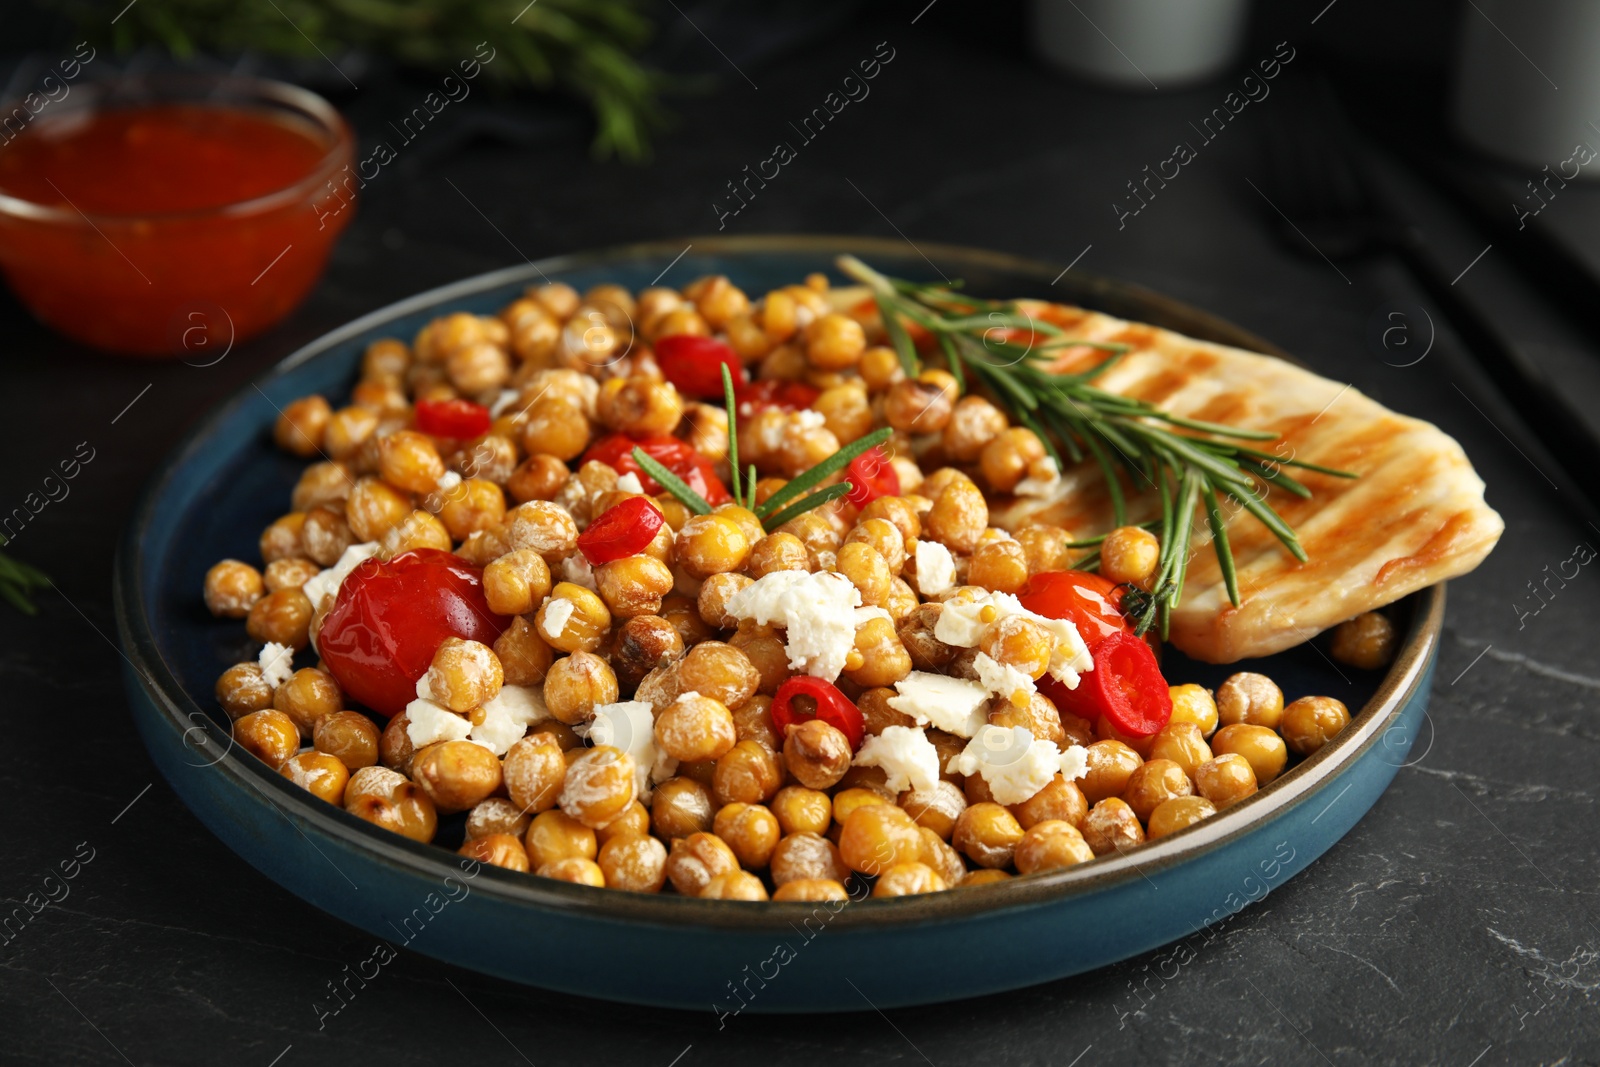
(897, 335)
(1219, 541)
(822, 471)
(671, 482)
(815, 500)
(1277, 478)
(733, 437)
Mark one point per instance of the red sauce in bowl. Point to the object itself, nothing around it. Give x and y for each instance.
(171, 227)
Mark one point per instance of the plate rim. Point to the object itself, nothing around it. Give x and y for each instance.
(165, 690)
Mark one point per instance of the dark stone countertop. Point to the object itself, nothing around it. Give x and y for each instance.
(1452, 926)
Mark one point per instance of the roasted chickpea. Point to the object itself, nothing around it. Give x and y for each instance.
(765, 651)
(270, 736)
(712, 602)
(1181, 743)
(464, 675)
(958, 517)
(576, 870)
(374, 508)
(282, 540)
(456, 774)
(1130, 554)
(811, 890)
(750, 830)
(816, 753)
(921, 405)
(719, 671)
(554, 836)
(807, 857)
(644, 643)
(735, 885)
(395, 750)
(307, 696)
(1250, 698)
(1262, 748)
(1175, 814)
(1060, 800)
(634, 820)
(499, 850)
(907, 879)
(300, 426)
(1226, 779)
(986, 876)
(1194, 703)
(283, 617)
(747, 773)
(1157, 781)
(1045, 548)
(1005, 460)
(539, 477)
(410, 461)
(232, 589)
(517, 582)
(680, 807)
(695, 727)
(574, 619)
(802, 811)
(1311, 722)
(695, 860)
(935, 809)
(497, 815)
(633, 586)
(1111, 764)
(289, 573)
(999, 566)
(599, 786)
(1050, 845)
(1111, 826)
(881, 535)
(711, 544)
(776, 552)
(1366, 642)
(535, 772)
(524, 657)
(576, 684)
(877, 837)
(864, 566)
(634, 862)
(974, 422)
(878, 659)
(244, 688)
(544, 526)
(834, 342)
(987, 834)
(387, 799)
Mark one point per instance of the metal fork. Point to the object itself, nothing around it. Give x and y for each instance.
(1323, 203)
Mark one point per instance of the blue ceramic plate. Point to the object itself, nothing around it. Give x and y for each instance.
(226, 482)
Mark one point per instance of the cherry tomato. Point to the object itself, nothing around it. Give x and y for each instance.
(620, 532)
(694, 364)
(774, 395)
(1126, 686)
(803, 697)
(390, 617)
(871, 475)
(459, 419)
(673, 453)
(1088, 601)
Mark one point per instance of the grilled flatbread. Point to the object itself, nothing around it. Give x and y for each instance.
(1415, 516)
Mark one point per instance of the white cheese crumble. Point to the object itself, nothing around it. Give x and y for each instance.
(810, 420)
(1003, 680)
(953, 705)
(1043, 480)
(507, 717)
(448, 481)
(428, 723)
(557, 611)
(327, 582)
(630, 483)
(963, 625)
(630, 726)
(936, 569)
(817, 612)
(277, 663)
(503, 402)
(1015, 764)
(576, 569)
(905, 755)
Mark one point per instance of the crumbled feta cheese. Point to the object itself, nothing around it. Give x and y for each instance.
(576, 569)
(327, 582)
(427, 723)
(630, 726)
(557, 611)
(1015, 764)
(503, 402)
(1043, 480)
(507, 717)
(630, 483)
(277, 663)
(810, 420)
(1003, 680)
(905, 754)
(448, 481)
(963, 625)
(936, 570)
(953, 705)
(424, 686)
(817, 612)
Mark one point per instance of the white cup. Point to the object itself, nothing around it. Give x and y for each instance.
(1140, 44)
(1527, 81)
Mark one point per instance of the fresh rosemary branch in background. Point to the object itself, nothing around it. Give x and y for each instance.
(17, 580)
(587, 48)
(993, 344)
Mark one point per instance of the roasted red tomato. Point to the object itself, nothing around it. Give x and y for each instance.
(673, 453)
(459, 419)
(623, 531)
(390, 617)
(803, 697)
(1126, 686)
(1090, 602)
(694, 364)
(774, 395)
(871, 475)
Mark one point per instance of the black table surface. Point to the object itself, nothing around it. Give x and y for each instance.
(1453, 925)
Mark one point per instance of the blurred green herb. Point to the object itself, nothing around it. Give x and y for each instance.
(17, 580)
(588, 48)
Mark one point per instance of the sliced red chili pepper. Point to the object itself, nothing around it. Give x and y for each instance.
(803, 697)
(1126, 686)
(774, 395)
(623, 531)
(673, 453)
(694, 364)
(459, 419)
(871, 475)
(1092, 603)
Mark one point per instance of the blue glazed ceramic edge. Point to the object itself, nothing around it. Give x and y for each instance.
(568, 938)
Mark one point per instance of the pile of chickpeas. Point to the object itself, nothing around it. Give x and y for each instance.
(749, 814)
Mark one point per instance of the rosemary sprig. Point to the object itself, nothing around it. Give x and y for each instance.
(1190, 463)
(18, 580)
(822, 471)
(671, 482)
